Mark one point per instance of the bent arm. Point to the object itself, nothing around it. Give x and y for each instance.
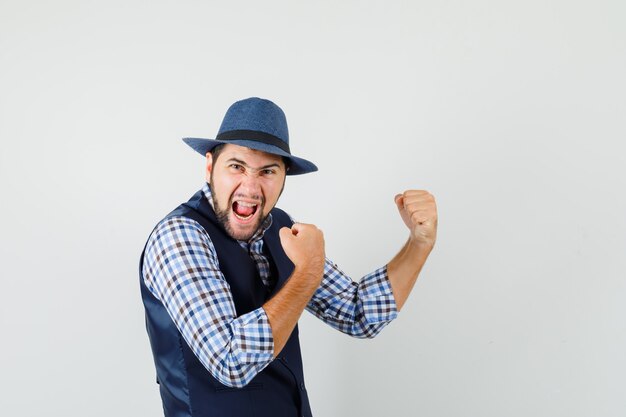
(181, 269)
(363, 309)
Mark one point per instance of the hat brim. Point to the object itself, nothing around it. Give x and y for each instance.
(297, 166)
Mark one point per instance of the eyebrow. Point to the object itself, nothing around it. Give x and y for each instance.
(240, 162)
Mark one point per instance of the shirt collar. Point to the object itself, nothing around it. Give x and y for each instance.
(258, 234)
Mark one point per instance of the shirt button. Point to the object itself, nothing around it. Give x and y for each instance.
(302, 386)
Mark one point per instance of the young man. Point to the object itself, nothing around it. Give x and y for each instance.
(226, 275)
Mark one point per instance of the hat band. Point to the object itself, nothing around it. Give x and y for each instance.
(254, 135)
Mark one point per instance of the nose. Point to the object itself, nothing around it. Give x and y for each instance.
(250, 187)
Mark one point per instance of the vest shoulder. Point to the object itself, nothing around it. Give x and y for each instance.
(281, 218)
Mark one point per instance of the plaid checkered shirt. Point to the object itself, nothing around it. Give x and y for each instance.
(181, 269)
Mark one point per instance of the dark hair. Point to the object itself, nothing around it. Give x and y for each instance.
(216, 151)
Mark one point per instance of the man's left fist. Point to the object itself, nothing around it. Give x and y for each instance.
(419, 213)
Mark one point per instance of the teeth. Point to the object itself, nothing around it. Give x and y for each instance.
(243, 203)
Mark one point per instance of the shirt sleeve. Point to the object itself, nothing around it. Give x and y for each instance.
(181, 269)
(360, 309)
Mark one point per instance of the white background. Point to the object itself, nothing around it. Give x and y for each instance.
(512, 113)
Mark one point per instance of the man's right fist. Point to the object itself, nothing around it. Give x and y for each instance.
(304, 245)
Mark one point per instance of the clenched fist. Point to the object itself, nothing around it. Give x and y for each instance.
(419, 213)
(304, 245)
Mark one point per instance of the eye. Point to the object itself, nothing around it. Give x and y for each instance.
(236, 167)
(268, 171)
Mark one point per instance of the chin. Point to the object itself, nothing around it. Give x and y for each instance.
(244, 233)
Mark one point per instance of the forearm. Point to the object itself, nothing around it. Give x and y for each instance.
(285, 307)
(419, 213)
(405, 268)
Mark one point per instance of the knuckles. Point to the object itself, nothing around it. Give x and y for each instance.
(418, 199)
(412, 193)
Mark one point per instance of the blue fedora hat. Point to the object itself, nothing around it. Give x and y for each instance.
(258, 124)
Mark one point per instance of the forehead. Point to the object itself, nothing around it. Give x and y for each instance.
(249, 156)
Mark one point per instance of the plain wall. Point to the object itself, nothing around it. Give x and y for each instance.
(512, 113)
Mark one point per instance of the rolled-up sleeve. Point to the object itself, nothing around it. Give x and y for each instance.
(361, 309)
(181, 269)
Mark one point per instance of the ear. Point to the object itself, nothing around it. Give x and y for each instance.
(209, 166)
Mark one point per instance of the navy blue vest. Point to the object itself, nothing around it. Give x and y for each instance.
(187, 388)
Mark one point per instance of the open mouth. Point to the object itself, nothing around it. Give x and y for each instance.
(243, 210)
